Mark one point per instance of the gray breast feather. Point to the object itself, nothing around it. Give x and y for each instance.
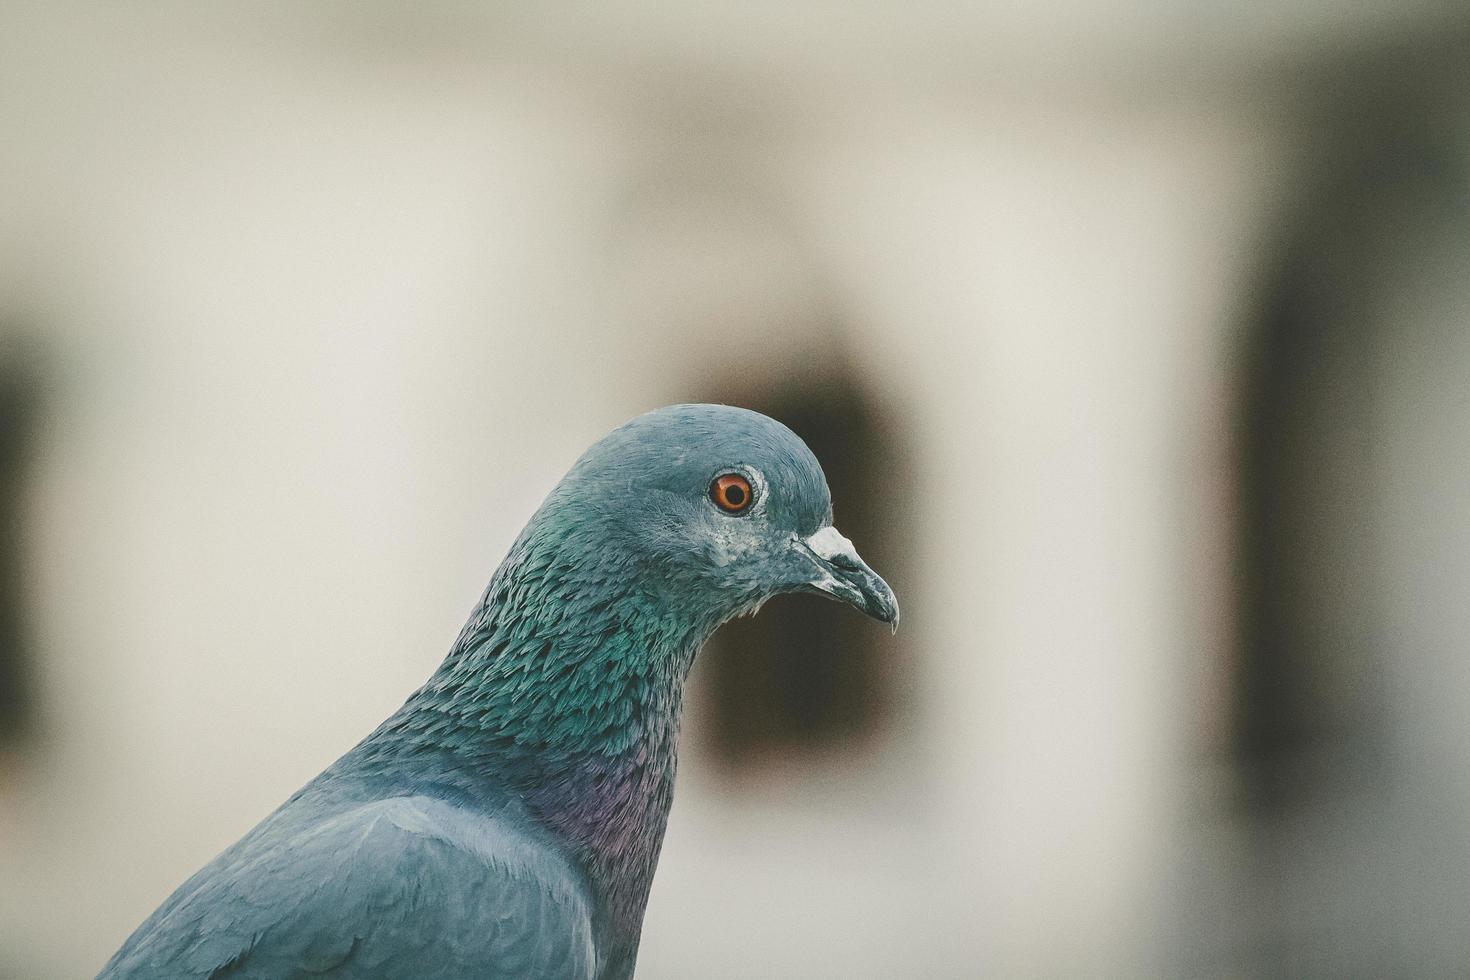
(402, 887)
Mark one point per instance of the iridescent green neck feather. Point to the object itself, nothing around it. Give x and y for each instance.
(565, 687)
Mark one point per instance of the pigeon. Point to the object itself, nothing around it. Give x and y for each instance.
(507, 820)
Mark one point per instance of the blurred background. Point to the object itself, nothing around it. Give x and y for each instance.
(1135, 338)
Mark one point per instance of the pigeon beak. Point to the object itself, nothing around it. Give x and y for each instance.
(844, 576)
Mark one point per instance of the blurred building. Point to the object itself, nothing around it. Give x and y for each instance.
(1137, 339)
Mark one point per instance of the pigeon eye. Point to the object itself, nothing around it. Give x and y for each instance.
(731, 493)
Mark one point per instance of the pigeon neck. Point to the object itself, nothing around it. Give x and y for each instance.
(566, 687)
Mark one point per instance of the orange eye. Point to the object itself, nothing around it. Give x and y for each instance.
(731, 492)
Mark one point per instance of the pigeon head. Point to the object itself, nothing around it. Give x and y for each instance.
(713, 509)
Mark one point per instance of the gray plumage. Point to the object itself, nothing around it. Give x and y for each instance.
(367, 886)
(506, 821)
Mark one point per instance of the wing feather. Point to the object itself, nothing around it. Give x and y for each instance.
(402, 887)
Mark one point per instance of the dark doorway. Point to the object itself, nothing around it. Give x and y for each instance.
(19, 413)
